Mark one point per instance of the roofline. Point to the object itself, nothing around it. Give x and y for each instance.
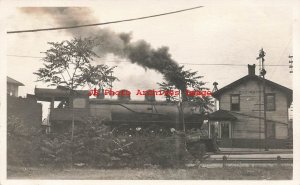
(255, 77)
(229, 117)
(14, 81)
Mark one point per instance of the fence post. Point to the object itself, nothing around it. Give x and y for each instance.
(278, 160)
(224, 161)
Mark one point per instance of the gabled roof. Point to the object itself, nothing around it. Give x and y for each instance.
(288, 92)
(13, 81)
(221, 115)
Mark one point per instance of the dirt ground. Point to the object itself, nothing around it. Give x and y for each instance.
(234, 173)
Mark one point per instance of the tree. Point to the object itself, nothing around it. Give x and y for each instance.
(68, 64)
(99, 75)
(178, 78)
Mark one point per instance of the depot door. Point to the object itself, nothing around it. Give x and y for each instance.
(225, 134)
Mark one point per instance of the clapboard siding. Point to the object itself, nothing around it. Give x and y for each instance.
(248, 125)
(281, 131)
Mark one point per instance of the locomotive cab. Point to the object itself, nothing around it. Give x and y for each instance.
(65, 106)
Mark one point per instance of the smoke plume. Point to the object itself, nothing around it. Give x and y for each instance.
(119, 44)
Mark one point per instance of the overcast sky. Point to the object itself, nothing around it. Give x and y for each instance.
(215, 34)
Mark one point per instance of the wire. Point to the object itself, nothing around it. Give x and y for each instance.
(23, 56)
(207, 64)
(98, 24)
(212, 64)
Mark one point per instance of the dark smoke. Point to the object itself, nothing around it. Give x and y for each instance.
(143, 54)
(119, 44)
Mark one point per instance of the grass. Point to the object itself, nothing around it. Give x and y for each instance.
(229, 173)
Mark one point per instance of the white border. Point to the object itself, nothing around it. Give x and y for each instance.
(6, 5)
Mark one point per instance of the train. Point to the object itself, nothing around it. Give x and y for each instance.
(126, 116)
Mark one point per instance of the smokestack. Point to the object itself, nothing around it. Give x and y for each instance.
(251, 69)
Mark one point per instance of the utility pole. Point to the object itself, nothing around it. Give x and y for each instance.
(263, 72)
(73, 125)
(73, 114)
(211, 126)
(215, 100)
(259, 115)
(181, 110)
(111, 85)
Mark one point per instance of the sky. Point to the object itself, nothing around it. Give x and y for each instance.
(227, 33)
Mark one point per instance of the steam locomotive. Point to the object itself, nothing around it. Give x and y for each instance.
(124, 115)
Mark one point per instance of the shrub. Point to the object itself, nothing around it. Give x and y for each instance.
(56, 150)
(95, 145)
(22, 143)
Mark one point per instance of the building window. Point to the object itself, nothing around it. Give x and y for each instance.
(235, 102)
(270, 102)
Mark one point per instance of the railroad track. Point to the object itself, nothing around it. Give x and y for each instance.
(250, 161)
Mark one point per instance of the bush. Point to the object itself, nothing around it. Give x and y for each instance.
(56, 150)
(166, 152)
(96, 145)
(22, 143)
(140, 151)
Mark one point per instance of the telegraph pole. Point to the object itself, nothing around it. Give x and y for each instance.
(181, 110)
(215, 100)
(263, 72)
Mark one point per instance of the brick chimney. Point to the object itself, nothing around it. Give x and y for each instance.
(251, 69)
